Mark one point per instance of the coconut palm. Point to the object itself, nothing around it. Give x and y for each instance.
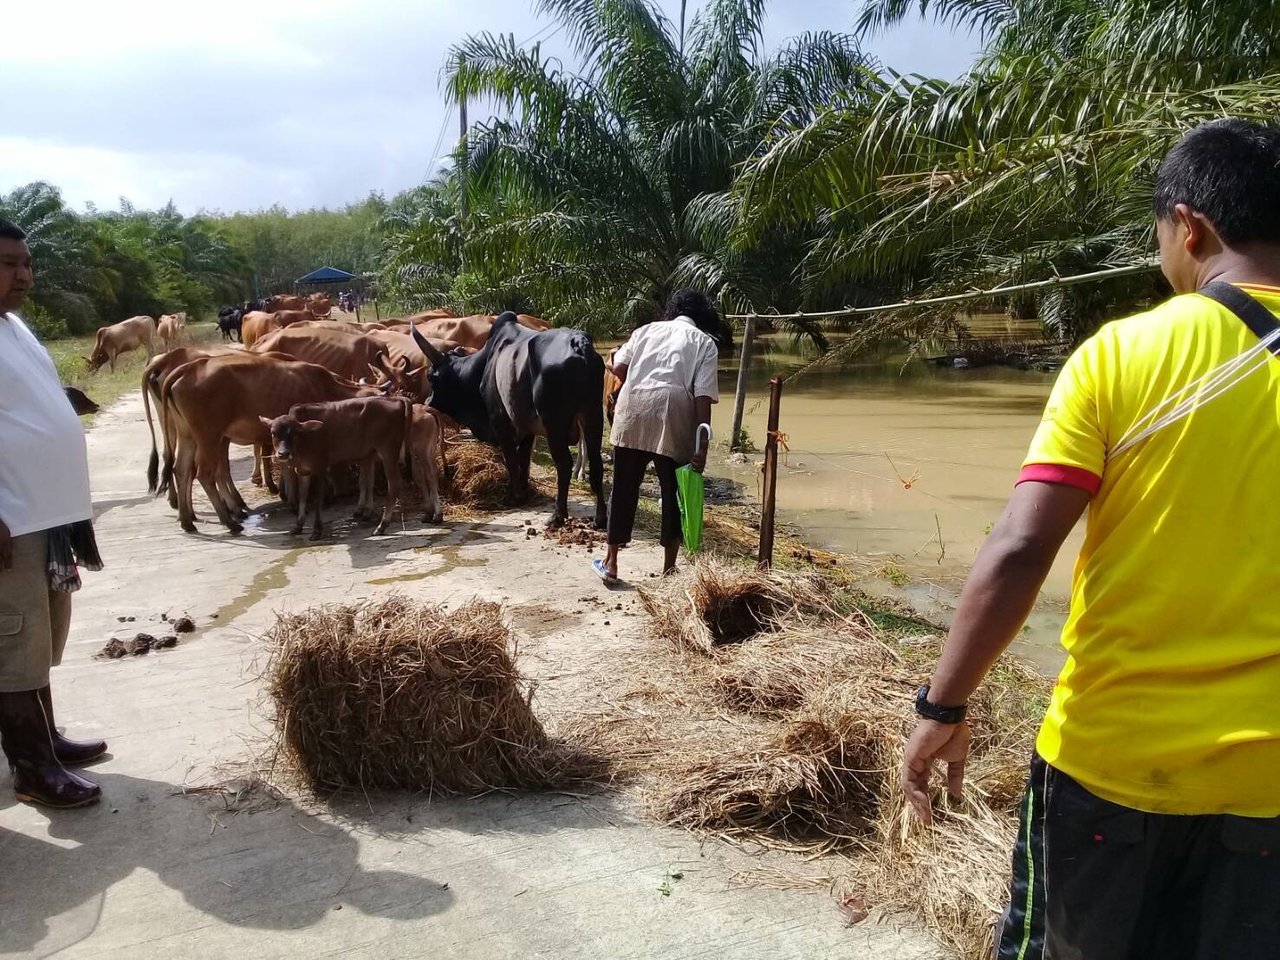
(594, 193)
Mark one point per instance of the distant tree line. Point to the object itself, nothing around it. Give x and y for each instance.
(97, 267)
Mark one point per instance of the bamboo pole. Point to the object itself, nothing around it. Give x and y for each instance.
(740, 395)
(1107, 274)
(768, 506)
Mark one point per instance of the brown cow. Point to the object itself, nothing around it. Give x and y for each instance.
(346, 354)
(122, 337)
(471, 332)
(153, 378)
(312, 437)
(258, 323)
(285, 301)
(216, 401)
(170, 330)
(405, 365)
(319, 305)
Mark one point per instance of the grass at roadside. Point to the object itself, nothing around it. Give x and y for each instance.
(105, 387)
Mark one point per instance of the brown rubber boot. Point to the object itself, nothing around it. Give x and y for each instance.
(71, 753)
(38, 777)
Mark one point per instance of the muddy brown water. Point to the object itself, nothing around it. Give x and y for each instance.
(900, 462)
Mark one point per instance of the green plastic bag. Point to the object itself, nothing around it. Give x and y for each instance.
(691, 494)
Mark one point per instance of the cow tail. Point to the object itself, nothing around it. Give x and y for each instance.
(153, 464)
(166, 476)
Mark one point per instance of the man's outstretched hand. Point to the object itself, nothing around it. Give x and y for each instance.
(6, 547)
(930, 741)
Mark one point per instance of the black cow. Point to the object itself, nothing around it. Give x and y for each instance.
(521, 385)
(229, 321)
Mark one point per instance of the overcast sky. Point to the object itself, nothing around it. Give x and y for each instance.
(239, 104)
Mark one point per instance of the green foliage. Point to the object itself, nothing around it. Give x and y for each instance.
(100, 267)
(278, 246)
(1038, 163)
(591, 196)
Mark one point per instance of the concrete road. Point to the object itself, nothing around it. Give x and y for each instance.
(152, 872)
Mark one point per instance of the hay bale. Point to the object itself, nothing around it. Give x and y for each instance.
(717, 603)
(404, 695)
(477, 476)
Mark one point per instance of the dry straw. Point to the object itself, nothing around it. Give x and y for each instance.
(403, 695)
(477, 476)
(720, 603)
(800, 739)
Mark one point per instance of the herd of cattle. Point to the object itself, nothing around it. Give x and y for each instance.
(310, 394)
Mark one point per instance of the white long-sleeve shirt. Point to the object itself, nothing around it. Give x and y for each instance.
(44, 464)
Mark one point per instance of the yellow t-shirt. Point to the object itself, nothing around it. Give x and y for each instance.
(1170, 698)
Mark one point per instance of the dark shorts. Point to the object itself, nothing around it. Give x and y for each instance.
(1093, 880)
(629, 467)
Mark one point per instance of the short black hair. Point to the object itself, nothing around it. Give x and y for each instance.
(10, 230)
(697, 306)
(1229, 171)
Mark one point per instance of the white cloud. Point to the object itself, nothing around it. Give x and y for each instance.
(245, 103)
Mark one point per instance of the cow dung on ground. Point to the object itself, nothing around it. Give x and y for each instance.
(397, 694)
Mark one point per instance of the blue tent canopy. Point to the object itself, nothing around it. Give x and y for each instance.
(327, 275)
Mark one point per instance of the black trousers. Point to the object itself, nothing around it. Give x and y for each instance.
(629, 466)
(1093, 880)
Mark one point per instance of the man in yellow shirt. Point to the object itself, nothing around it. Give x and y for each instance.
(1151, 823)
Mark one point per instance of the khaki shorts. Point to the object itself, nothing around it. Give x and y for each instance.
(34, 621)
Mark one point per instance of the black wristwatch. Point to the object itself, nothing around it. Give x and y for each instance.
(931, 711)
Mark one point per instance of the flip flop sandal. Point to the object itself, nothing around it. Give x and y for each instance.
(609, 579)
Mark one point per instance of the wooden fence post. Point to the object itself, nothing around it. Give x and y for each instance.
(769, 504)
(740, 395)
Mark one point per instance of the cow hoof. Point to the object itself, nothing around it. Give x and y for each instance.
(316, 535)
(296, 531)
(256, 481)
(188, 527)
(235, 527)
(602, 523)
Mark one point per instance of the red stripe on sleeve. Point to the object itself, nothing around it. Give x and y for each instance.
(1086, 480)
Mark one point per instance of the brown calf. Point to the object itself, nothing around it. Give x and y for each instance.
(217, 401)
(312, 437)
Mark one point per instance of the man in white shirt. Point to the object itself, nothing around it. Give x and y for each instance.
(668, 374)
(45, 527)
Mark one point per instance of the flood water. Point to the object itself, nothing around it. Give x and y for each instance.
(900, 462)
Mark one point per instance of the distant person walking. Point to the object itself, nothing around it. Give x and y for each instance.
(1151, 823)
(668, 373)
(45, 529)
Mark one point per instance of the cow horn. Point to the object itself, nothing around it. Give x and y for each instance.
(432, 354)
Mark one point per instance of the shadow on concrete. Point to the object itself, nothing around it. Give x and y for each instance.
(408, 817)
(279, 868)
(102, 507)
